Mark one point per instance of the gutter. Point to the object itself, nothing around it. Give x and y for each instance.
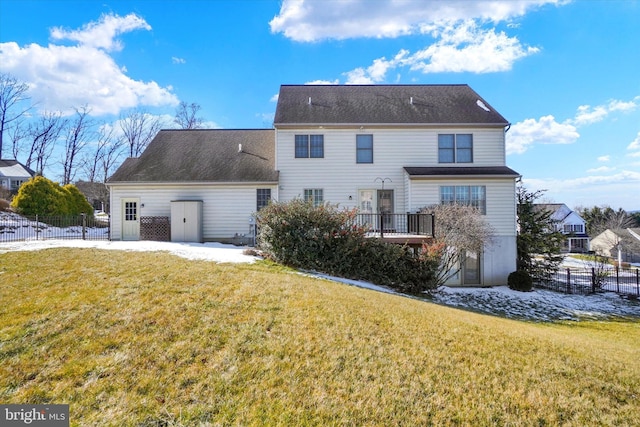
(385, 125)
(186, 183)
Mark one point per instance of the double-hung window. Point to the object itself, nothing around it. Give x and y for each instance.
(314, 195)
(466, 195)
(455, 148)
(309, 146)
(263, 196)
(364, 148)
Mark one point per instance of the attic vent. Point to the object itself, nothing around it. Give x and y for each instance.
(309, 100)
(239, 148)
(481, 105)
(411, 100)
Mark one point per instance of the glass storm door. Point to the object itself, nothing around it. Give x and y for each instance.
(385, 206)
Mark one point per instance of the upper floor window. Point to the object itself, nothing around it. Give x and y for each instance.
(263, 197)
(314, 195)
(455, 148)
(309, 146)
(467, 195)
(364, 148)
(573, 228)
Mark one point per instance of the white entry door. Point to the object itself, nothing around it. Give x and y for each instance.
(130, 219)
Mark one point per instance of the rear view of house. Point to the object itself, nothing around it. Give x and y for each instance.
(390, 149)
(399, 148)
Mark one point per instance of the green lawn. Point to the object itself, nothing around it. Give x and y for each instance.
(150, 339)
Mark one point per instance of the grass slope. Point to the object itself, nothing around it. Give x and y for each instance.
(146, 339)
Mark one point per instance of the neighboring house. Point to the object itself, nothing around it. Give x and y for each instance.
(622, 244)
(379, 148)
(13, 174)
(569, 223)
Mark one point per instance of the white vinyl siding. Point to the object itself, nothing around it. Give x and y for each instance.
(500, 199)
(340, 176)
(226, 209)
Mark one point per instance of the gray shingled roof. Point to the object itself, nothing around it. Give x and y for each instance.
(203, 156)
(383, 104)
(14, 168)
(462, 171)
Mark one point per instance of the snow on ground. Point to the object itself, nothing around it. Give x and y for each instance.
(217, 252)
(539, 305)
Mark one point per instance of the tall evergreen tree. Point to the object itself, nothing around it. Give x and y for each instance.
(539, 242)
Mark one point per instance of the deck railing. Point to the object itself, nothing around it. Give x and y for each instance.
(394, 224)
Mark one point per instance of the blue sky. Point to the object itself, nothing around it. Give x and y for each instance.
(566, 74)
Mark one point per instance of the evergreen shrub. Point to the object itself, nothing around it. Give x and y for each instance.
(41, 196)
(328, 240)
(520, 280)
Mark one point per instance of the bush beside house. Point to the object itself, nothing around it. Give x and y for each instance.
(327, 240)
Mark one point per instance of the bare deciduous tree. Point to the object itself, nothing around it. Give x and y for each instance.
(12, 93)
(43, 135)
(186, 116)
(139, 128)
(79, 131)
(460, 230)
(17, 133)
(110, 157)
(92, 160)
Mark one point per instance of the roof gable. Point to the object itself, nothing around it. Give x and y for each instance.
(383, 104)
(212, 155)
(15, 169)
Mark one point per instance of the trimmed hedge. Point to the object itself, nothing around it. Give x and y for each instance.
(327, 240)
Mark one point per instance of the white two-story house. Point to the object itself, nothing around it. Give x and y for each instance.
(398, 148)
(569, 223)
(378, 148)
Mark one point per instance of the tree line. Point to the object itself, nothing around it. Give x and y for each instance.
(88, 149)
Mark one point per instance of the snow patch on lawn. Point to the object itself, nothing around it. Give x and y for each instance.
(539, 305)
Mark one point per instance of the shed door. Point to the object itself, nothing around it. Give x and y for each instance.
(130, 219)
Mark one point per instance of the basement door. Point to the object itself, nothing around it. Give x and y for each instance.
(471, 269)
(130, 219)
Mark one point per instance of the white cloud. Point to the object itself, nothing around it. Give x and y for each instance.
(601, 169)
(314, 20)
(323, 82)
(177, 60)
(62, 77)
(544, 131)
(587, 115)
(635, 144)
(604, 158)
(102, 34)
(468, 47)
(375, 73)
(611, 189)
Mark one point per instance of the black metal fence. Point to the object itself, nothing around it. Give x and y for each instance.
(15, 227)
(624, 281)
(388, 224)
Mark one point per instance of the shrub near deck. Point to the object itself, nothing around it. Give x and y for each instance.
(328, 239)
(152, 339)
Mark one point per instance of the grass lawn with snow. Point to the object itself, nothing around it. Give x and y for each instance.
(148, 338)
